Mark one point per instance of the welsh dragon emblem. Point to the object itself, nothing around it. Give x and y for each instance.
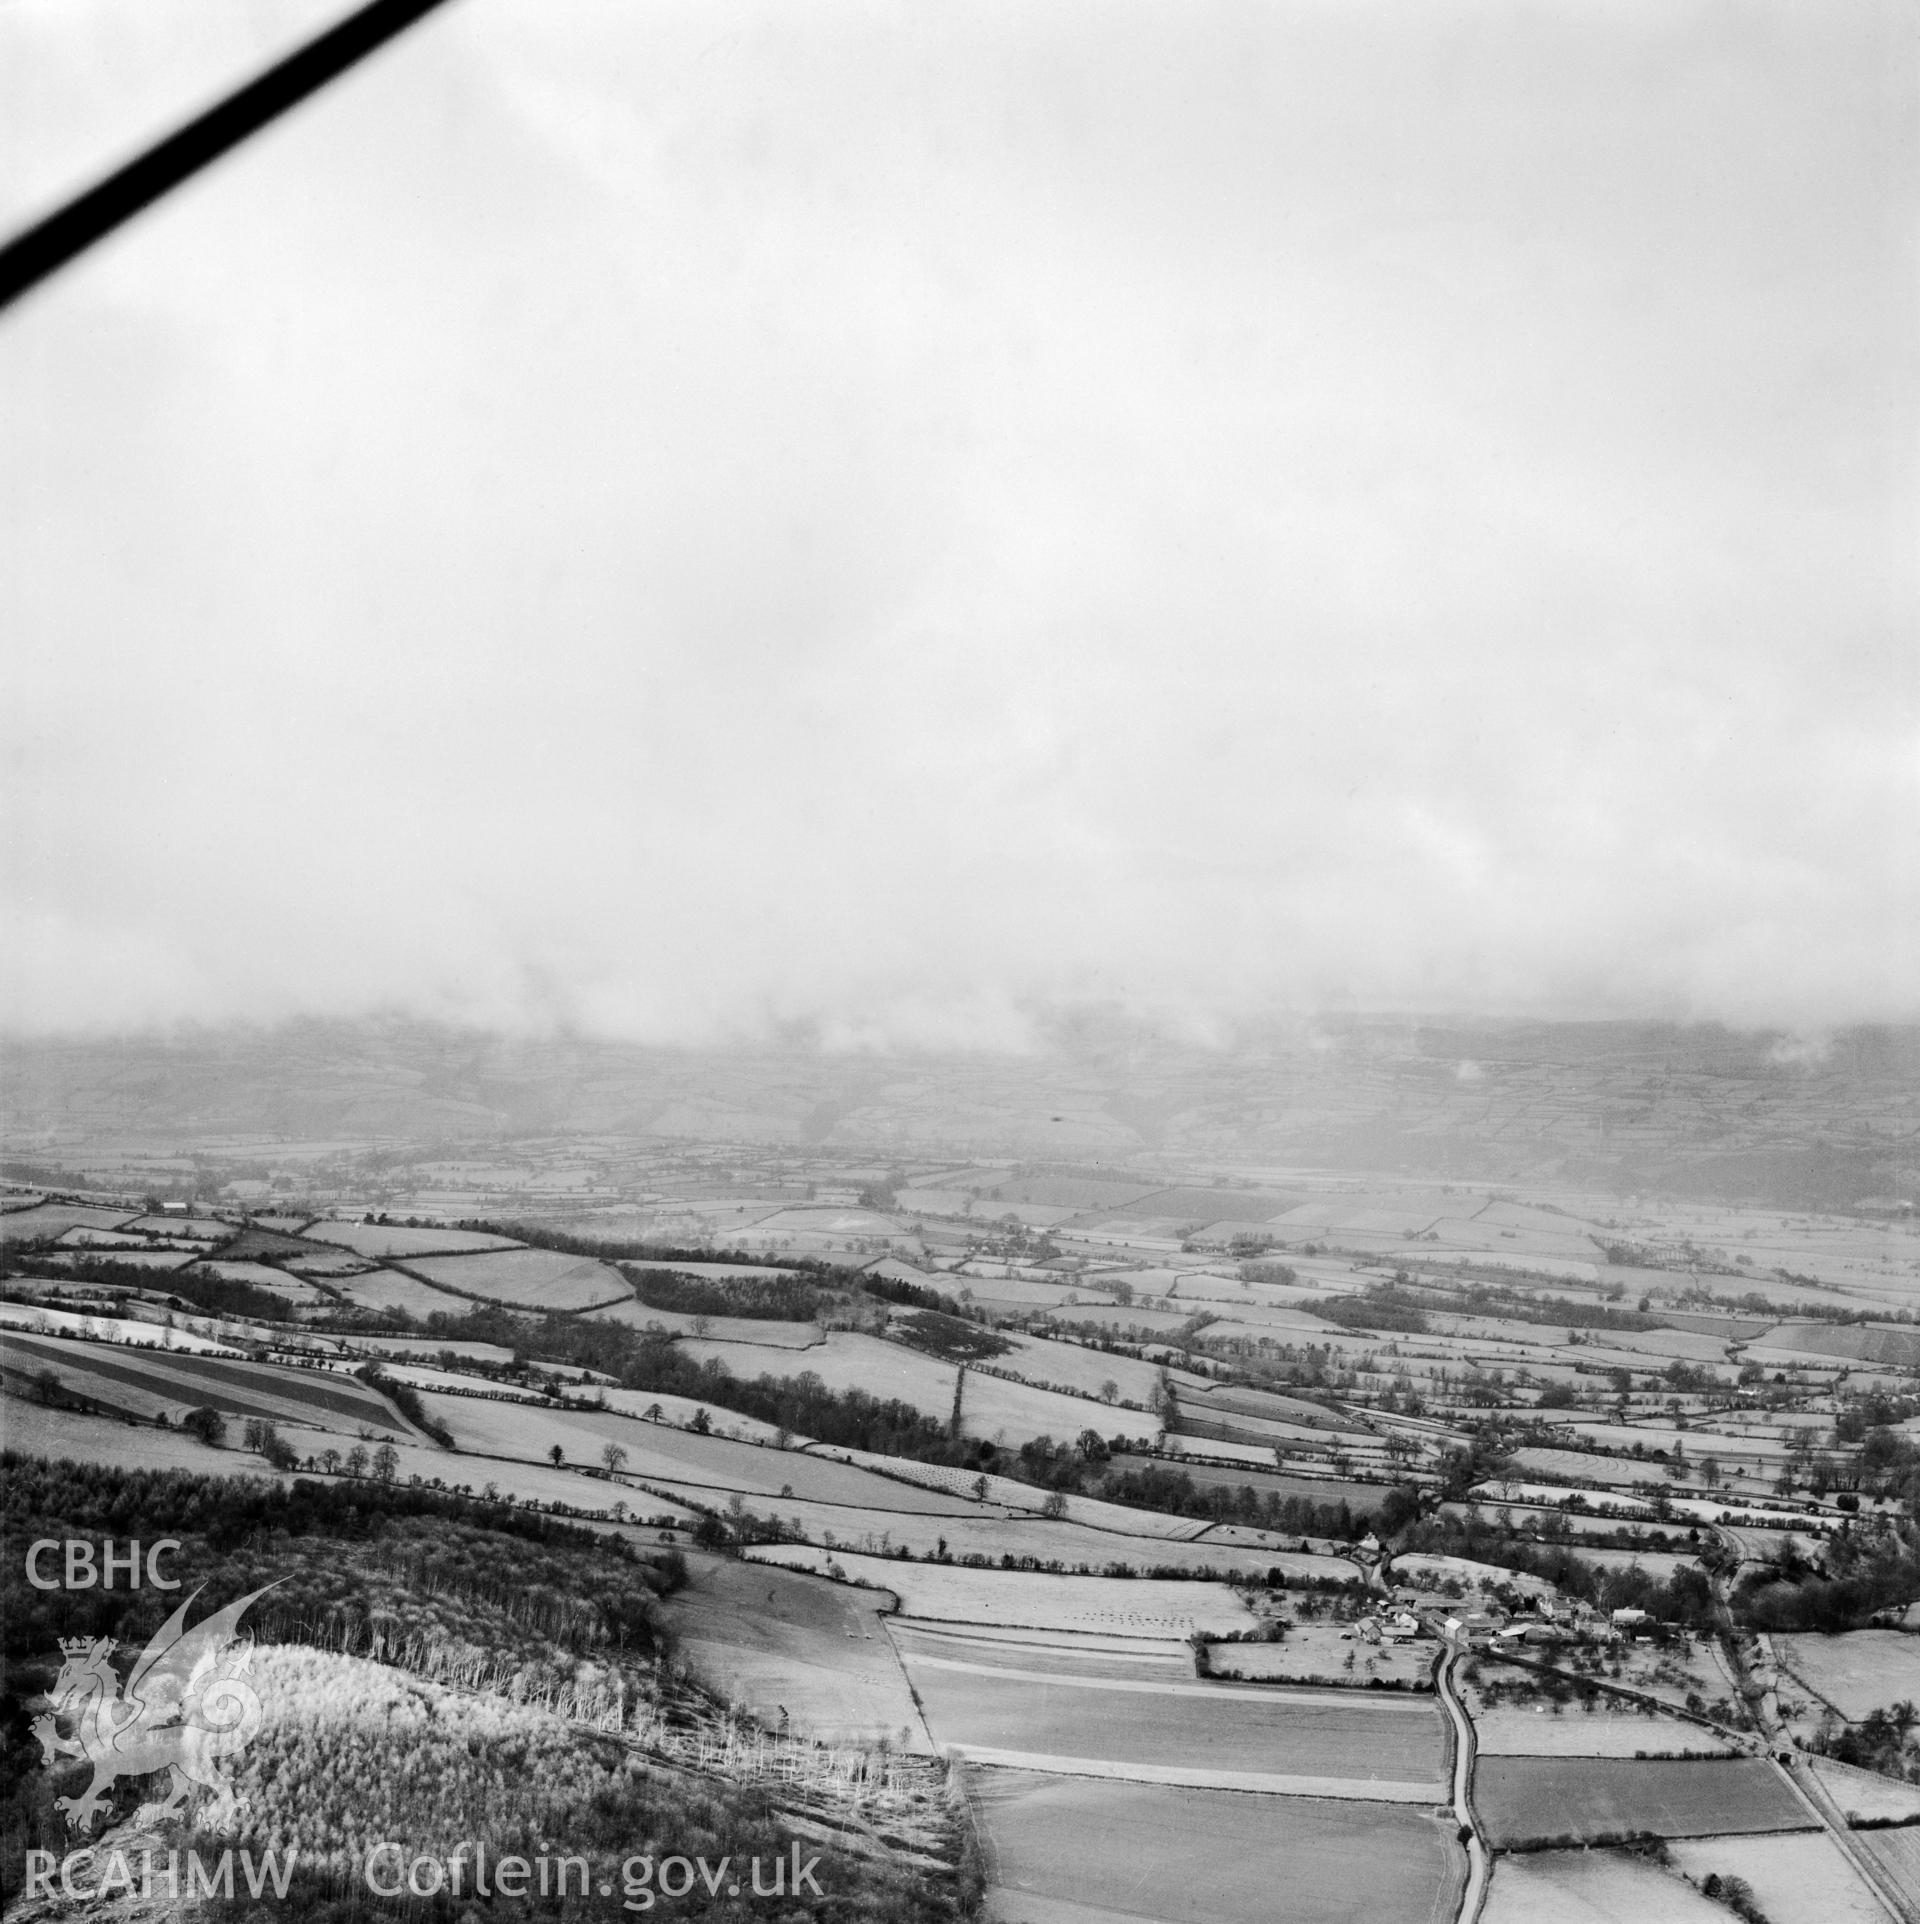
(186, 1709)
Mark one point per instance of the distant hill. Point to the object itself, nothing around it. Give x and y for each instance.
(1702, 1112)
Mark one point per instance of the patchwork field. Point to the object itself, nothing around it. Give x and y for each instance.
(1076, 1850)
(49, 1220)
(531, 1278)
(1534, 1800)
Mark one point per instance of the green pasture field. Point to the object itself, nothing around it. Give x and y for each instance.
(1534, 1800)
(1075, 1850)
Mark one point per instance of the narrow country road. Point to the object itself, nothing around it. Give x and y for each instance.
(1782, 1751)
(1479, 1864)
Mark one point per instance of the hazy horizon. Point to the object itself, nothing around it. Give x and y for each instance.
(719, 523)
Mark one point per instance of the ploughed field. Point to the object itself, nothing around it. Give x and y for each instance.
(1080, 1850)
(148, 1382)
(1153, 1721)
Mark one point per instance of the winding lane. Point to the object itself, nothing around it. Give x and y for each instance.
(1479, 1863)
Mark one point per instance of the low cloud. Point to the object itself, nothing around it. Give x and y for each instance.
(692, 526)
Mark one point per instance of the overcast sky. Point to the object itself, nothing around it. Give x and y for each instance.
(675, 518)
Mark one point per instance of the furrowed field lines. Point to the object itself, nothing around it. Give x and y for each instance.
(1073, 1850)
(1131, 1719)
(180, 1382)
